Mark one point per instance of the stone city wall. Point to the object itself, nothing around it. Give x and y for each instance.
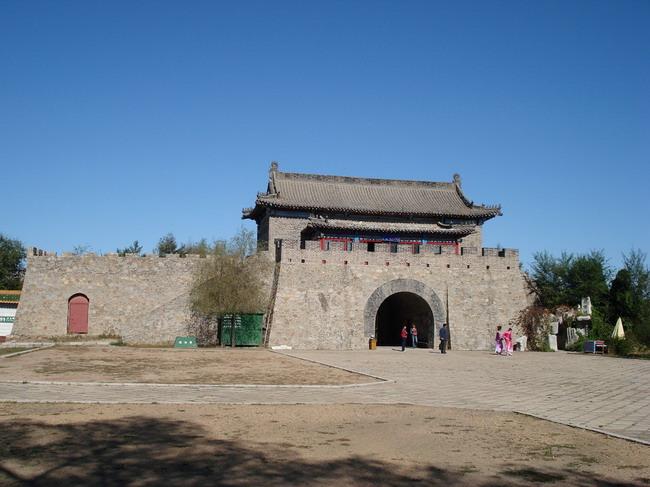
(141, 299)
(325, 298)
(474, 239)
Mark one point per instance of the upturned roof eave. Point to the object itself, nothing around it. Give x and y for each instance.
(483, 213)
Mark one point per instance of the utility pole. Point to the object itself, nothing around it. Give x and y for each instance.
(448, 326)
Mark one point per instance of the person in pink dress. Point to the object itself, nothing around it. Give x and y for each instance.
(507, 338)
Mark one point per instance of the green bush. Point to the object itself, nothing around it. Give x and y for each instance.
(578, 345)
(543, 345)
(622, 346)
(599, 329)
(533, 321)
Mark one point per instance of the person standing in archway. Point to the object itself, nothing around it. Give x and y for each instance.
(404, 335)
(414, 336)
(444, 337)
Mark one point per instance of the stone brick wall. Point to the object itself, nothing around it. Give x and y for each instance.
(286, 228)
(475, 239)
(142, 299)
(323, 295)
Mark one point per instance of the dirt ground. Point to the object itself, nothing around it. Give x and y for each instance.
(137, 445)
(170, 366)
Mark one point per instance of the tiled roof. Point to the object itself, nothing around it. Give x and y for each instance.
(389, 227)
(367, 196)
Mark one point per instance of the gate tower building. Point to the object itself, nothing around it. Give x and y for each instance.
(361, 257)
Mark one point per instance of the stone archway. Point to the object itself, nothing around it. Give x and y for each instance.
(404, 309)
(396, 287)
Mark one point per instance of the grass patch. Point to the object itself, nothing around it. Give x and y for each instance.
(72, 338)
(7, 351)
(551, 452)
(466, 469)
(587, 460)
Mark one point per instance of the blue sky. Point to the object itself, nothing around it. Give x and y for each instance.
(128, 120)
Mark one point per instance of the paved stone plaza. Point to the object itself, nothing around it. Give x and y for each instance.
(600, 393)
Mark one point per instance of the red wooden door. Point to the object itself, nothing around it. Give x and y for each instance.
(78, 314)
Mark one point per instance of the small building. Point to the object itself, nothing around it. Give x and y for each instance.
(8, 305)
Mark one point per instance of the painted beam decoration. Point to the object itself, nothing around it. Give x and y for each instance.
(9, 297)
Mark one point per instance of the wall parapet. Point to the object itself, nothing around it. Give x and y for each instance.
(37, 253)
(387, 254)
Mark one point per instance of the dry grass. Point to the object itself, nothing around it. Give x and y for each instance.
(156, 365)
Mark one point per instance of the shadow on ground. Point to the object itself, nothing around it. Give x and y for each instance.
(146, 451)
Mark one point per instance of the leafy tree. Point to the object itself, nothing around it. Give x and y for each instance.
(167, 245)
(12, 263)
(621, 296)
(230, 281)
(642, 325)
(202, 248)
(635, 264)
(550, 276)
(243, 243)
(81, 249)
(587, 275)
(134, 248)
(567, 279)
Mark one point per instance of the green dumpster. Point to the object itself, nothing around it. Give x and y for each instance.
(248, 330)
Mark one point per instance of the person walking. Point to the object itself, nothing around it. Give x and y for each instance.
(404, 335)
(498, 342)
(444, 338)
(414, 336)
(507, 339)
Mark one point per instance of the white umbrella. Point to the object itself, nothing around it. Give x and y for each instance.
(618, 329)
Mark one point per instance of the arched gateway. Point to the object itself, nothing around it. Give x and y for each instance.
(78, 314)
(400, 302)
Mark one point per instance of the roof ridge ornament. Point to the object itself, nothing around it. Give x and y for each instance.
(272, 170)
(457, 180)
